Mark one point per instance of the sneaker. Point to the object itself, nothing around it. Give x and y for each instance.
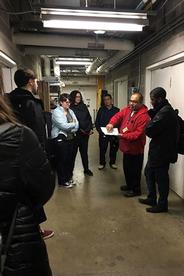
(113, 166)
(46, 234)
(101, 167)
(66, 185)
(71, 181)
(88, 172)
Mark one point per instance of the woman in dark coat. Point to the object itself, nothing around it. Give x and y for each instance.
(25, 186)
(85, 128)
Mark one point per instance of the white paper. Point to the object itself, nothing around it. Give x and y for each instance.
(113, 132)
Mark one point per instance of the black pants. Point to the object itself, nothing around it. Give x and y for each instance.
(81, 143)
(64, 159)
(132, 166)
(103, 144)
(161, 177)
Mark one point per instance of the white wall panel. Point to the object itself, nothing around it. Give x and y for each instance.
(171, 79)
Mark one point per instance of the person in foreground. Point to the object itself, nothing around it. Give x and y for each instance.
(29, 111)
(163, 129)
(25, 186)
(131, 122)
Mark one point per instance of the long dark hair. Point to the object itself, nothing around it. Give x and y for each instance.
(6, 113)
(73, 96)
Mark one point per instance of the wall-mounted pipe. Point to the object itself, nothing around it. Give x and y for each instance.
(142, 4)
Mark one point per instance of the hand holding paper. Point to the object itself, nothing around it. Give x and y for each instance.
(114, 131)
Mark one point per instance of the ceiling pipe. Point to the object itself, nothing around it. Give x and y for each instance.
(114, 4)
(142, 4)
(91, 70)
(111, 63)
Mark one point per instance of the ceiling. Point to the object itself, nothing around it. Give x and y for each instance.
(106, 50)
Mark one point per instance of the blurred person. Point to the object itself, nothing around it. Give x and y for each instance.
(163, 129)
(85, 128)
(64, 128)
(29, 111)
(53, 103)
(25, 186)
(104, 114)
(131, 122)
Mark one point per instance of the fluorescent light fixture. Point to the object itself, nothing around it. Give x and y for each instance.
(74, 59)
(62, 62)
(93, 20)
(94, 13)
(91, 25)
(99, 32)
(4, 56)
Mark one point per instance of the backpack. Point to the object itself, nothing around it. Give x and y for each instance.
(180, 144)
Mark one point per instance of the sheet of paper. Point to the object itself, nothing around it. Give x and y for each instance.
(113, 132)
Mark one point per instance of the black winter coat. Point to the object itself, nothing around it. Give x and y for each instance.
(26, 183)
(29, 111)
(103, 116)
(83, 116)
(163, 130)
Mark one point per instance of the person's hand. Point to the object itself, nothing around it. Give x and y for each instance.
(109, 127)
(91, 132)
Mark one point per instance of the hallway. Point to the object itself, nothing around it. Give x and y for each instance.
(98, 232)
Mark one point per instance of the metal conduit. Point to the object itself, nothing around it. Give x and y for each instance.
(163, 32)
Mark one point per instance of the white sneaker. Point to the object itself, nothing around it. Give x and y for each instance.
(113, 166)
(72, 182)
(101, 167)
(66, 185)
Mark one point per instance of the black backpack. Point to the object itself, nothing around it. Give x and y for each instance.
(180, 145)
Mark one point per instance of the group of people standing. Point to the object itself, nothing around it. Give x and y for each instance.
(71, 128)
(160, 124)
(26, 179)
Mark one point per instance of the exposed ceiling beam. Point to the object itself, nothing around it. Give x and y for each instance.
(56, 51)
(65, 41)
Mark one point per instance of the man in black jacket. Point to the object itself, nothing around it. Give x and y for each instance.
(29, 111)
(163, 130)
(105, 113)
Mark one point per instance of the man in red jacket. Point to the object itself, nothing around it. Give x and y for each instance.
(131, 122)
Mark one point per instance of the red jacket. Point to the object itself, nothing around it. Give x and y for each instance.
(132, 129)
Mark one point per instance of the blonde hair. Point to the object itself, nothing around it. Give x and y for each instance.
(6, 113)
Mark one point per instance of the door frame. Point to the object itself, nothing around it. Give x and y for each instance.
(124, 78)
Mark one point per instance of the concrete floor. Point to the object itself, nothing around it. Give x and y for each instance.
(98, 232)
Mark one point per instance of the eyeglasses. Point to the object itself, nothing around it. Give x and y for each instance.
(132, 101)
(68, 102)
